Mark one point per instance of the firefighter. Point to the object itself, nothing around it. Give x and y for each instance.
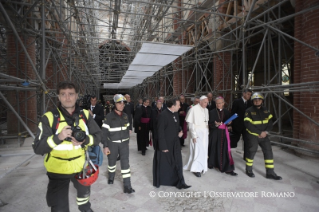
(116, 135)
(258, 122)
(64, 149)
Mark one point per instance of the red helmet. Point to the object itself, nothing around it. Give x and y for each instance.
(89, 175)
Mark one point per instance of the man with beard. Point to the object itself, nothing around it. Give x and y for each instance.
(167, 162)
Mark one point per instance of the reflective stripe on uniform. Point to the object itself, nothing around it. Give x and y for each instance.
(252, 132)
(106, 126)
(258, 122)
(91, 140)
(111, 168)
(249, 162)
(64, 146)
(269, 163)
(126, 173)
(51, 143)
(41, 130)
(120, 141)
(82, 201)
(115, 129)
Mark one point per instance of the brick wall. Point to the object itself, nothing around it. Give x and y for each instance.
(222, 77)
(19, 66)
(306, 69)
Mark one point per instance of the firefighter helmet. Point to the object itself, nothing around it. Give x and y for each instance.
(257, 96)
(119, 98)
(88, 176)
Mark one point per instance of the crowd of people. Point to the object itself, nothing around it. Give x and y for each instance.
(168, 126)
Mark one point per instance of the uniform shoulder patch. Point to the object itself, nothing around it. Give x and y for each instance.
(266, 111)
(253, 113)
(246, 114)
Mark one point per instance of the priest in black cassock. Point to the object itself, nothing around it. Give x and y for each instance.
(142, 128)
(182, 114)
(167, 162)
(154, 120)
(219, 151)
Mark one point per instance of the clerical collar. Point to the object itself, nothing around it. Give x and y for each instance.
(170, 110)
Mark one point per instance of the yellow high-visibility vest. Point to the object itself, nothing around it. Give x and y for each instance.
(65, 158)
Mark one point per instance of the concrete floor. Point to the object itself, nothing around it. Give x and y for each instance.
(24, 188)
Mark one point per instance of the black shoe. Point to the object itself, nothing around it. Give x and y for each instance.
(273, 176)
(184, 186)
(128, 190)
(232, 173)
(143, 152)
(250, 173)
(90, 210)
(197, 174)
(110, 181)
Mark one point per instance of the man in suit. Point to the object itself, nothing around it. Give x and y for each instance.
(211, 103)
(129, 109)
(239, 106)
(154, 103)
(161, 98)
(96, 111)
(182, 114)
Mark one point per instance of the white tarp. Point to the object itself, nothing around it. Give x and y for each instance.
(151, 58)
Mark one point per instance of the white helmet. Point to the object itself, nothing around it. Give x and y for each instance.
(119, 98)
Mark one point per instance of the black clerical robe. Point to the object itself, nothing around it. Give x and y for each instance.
(154, 120)
(218, 156)
(168, 166)
(142, 129)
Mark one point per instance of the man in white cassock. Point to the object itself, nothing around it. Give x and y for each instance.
(197, 119)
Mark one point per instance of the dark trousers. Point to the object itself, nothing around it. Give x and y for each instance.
(252, 146)
(58, 193)
(122, 150)
(181, 141)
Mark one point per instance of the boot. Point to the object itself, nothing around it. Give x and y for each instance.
(128, 190)
(249, 171)
(127, 185)
(270, 174)
(90, 210)
(111, 178)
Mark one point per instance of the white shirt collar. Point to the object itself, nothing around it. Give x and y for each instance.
(244, 99)
(170, 110)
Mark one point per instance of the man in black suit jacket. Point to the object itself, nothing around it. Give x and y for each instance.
(239, 106)
(129, 109)
(161, 98)
(211, 103)
(97, 111)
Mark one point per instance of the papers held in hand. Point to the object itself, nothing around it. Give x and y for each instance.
(231, 118)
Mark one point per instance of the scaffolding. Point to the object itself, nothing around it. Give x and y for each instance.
(93, 42)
